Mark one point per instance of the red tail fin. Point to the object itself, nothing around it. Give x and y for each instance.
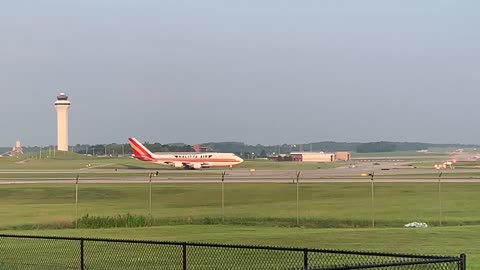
(196, 147)
(140, 151)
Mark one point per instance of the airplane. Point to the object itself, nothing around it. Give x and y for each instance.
(186, 160)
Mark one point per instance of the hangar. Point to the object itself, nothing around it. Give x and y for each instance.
(343, 156)
(319, 156)
(312, 157)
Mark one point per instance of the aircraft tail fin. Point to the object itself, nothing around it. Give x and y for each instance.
(196, 148)
(140, 151)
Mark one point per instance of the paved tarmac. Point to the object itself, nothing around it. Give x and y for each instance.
(199, 180)
(394, 172)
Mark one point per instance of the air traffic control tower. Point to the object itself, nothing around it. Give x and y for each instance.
(61, 106)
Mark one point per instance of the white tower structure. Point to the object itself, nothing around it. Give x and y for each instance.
(61, 106)
(17, 149)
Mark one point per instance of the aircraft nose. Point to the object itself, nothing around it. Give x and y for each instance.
(240, 160)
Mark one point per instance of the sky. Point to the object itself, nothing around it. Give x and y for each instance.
(263, 72)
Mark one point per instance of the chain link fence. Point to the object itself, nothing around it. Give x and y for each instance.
(43, 252)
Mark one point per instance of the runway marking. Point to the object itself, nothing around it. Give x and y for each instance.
(189, 180)
(96, 166)
(23, 161)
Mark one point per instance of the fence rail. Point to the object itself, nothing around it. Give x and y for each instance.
(47, 252)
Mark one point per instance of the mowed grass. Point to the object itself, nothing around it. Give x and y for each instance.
(457, 165)
(25, 163)
(268, 209)
(85, 175)
(273, 204)
(446, 174)
(259, 164)
(399, 154)
(438, 241)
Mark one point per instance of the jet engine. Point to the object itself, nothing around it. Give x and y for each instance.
(178, 165)
(197, 166)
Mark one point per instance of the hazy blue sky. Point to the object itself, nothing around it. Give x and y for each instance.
(254, 71)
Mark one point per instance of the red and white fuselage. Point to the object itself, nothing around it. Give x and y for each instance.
(192, 160)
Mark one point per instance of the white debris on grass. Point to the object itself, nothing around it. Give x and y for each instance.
(416, 225)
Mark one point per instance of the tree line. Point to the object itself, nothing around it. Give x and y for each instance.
(115, 149)
(249, 151)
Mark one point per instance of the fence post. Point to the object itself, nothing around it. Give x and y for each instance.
(82, 255)
(440, 198)
(298, 177)
(463, 262)
(223, 197)
(305, 259)
(372, 174)
(76, 201)
(184, 255)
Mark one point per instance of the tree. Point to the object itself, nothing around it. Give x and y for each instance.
(375, 147)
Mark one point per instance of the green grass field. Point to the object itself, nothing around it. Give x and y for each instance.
(438, 241)
(105, 174)
(399, 154)
(457, 165)
(263, 214)
(320, 205)
(331, 215)
(288, 165)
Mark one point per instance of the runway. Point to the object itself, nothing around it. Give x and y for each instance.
(386, 172)
(203, 180)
